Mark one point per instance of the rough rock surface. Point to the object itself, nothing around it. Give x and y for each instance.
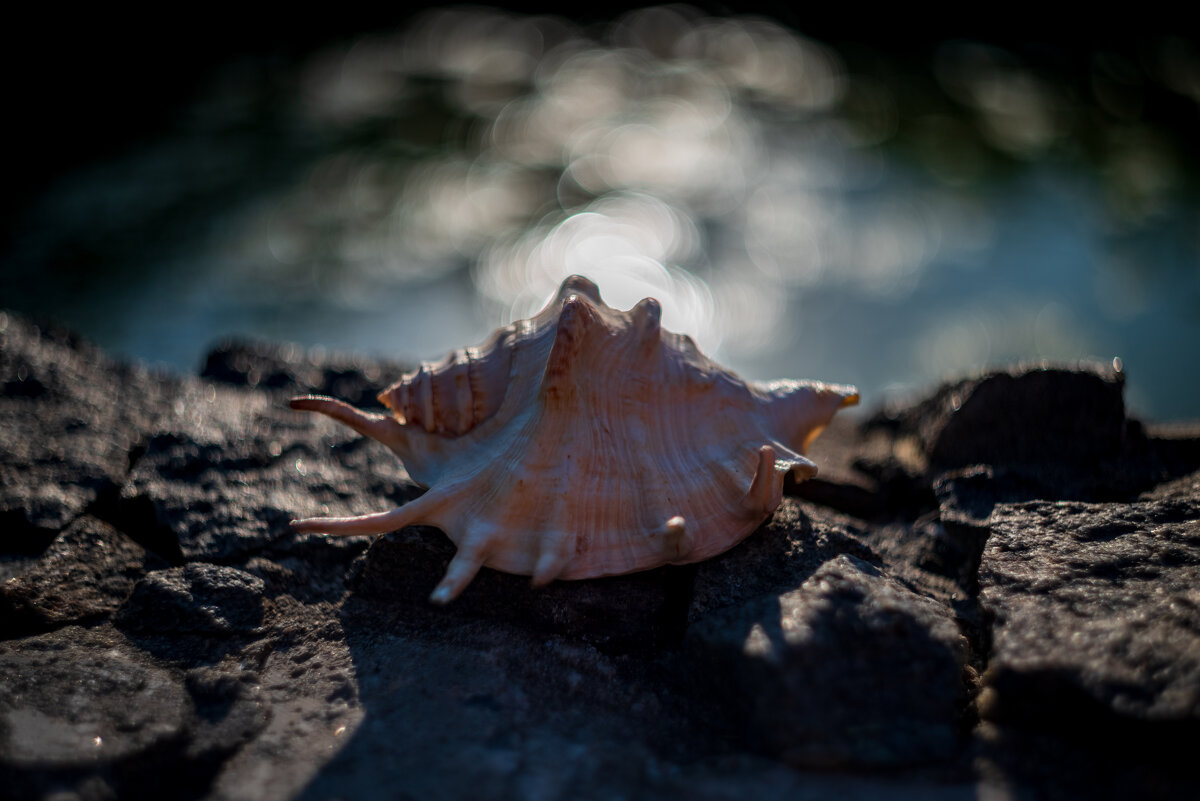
(86, 573)
(1096, 608)
(989, 592)
(69, 431)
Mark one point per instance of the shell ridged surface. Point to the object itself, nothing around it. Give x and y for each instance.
(586, 441)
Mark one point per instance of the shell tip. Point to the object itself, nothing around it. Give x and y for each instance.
(804, 470)
(557, 549)
(307, 403)
(309, 525)
(577, 284)
(677, 542)
(766, 488)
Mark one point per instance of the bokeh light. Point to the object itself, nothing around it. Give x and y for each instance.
(799, 209)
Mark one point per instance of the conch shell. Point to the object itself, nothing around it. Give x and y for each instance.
(586, 441)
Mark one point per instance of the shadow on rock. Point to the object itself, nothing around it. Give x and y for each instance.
(851, 669)
(86, 715)
(458, 704)
(637, 612)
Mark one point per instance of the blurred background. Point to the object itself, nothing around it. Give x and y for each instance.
(810, 193)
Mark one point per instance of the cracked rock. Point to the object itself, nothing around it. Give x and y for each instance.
(824, 655)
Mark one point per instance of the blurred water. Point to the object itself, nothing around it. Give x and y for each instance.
(407, 192)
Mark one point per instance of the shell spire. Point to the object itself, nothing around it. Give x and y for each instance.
(586, 441)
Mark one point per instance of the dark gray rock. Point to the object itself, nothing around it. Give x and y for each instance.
(1183, 488)
(638, 611)
(1177, 447)
(780, 556)
(966, 498)
(839, 484)
(229, 709)
(86, 573)
(290, 370)
(70, 418)
(495, 713)
(1051, 432)
(196, 599)
(310, 569)
(1088, 763)
(73, 697)
(1096, 612)
(1031, 414)
(851, 668)
(85, 714)
(239, 465)
(295, 703)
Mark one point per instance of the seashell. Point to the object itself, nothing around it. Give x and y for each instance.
(584, 442)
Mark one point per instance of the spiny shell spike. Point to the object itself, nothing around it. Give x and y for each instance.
(766, 489)
(676, 538)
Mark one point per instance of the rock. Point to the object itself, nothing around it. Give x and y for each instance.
(838, 483)
(780, 556)
(155, 598)
(86, 573)
(1049, 432)
(1178, 449)
(300, 709)
(495, 713)
(73, 698)
(230, 709)
(850, 669)
(85, 713)
(1025, 415)
(239, 465)
(619, 613)
(79, 710)
(70, 420)
(1096, 613)
(290, 370)
(1088, 763)
(965, 501)
(310, 569)
(196, 599)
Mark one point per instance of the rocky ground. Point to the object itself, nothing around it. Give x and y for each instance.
(992, 592)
